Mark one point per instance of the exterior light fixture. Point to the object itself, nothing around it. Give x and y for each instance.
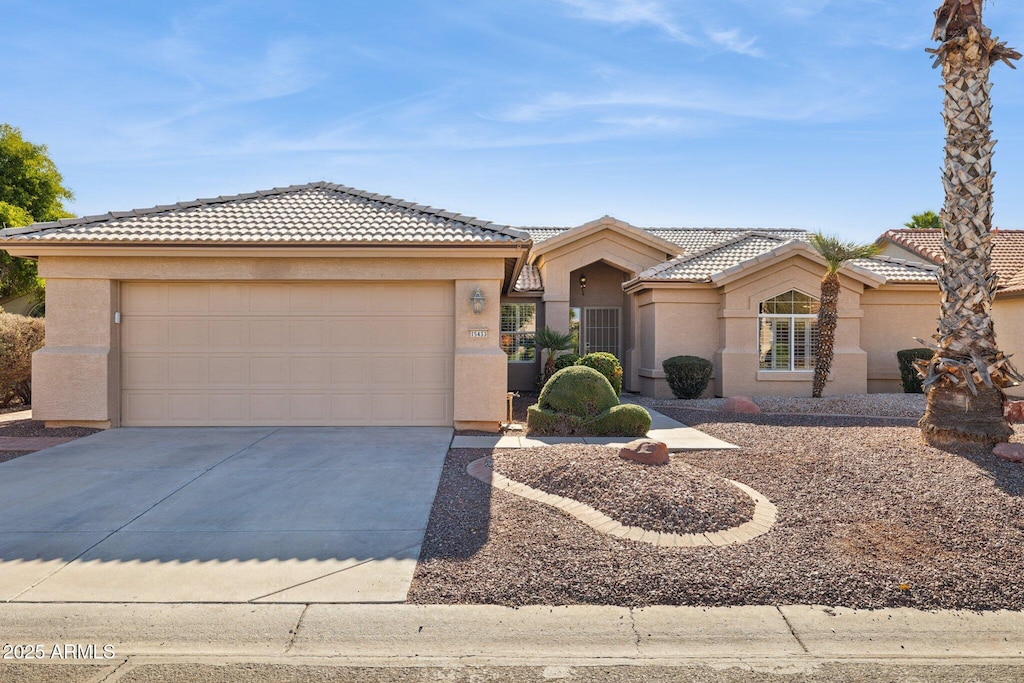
(477, 301)
(583, 283)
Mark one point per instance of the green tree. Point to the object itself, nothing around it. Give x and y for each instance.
(966, 377)
(836, 253)
(31, 190)
(553, 341)
(929, 220)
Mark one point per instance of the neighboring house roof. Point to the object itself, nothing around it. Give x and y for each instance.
(529, 280)
(1016, 284)
(1007, 249)
(743, 251)
(316, 213)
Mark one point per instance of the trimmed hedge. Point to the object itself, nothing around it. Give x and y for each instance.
(625, 419)
(688, 376)
(608, 365)
(912, 384)
(566, 360)
(579, 391)
(20, 337)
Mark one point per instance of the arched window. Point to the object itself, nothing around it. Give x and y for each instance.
(788, 332)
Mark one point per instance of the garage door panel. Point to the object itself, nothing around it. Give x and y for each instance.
(287, 353)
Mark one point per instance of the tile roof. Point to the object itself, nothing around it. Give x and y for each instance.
(690, 239)
(701, 266)
(1007, 249)
(1015, 284)
(317, 213)
(529, 280)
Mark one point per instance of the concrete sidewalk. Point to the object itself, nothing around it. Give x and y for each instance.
(677, 436)
(793, 638)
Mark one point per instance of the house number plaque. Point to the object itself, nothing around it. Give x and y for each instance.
(477, 334)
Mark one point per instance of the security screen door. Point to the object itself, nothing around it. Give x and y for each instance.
(602, 330)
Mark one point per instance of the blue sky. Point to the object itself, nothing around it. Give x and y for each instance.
(820, 114)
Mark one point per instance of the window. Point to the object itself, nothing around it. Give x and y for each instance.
(518, 332)
(788, 332)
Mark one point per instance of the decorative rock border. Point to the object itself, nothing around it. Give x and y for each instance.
(765, 514)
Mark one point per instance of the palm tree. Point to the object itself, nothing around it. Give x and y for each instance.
(929, 220)
(836, 253)
(966, 377)
(553, 341)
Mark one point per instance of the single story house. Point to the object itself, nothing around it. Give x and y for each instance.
(320, 304)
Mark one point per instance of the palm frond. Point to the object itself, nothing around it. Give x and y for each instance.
(836, 251)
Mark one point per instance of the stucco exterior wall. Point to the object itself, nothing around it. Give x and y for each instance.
(76, 375)
(675, 322)
(893, 316)
(1008, 317)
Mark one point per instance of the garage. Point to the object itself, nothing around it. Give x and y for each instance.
(287, 353)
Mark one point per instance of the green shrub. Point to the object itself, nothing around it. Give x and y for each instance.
(579, 391)
(687, 376)
(608, 365)
(621, 420)
(908, 373)
(566, 360)
(543, 422)
(20, 337)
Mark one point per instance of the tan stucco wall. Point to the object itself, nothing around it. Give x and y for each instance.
(675, 322)
(76, 375)
(893, 316)
(1008, 317)
(624, 256)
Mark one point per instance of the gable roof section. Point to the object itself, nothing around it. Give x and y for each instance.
(743, 254)
(690, 239)
(316, 213)
(529, 280)
(553, 242)
(1007, 250)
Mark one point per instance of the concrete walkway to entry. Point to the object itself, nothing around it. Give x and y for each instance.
(219, 515)
(677, 436)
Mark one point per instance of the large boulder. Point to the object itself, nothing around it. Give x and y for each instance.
(740, 404)
(1014, 452)
(645, 452)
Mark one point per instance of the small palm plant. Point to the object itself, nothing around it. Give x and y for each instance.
(553, 341)
(836, 253)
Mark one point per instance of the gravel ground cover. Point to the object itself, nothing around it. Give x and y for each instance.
(675, 498)
(879, 405)
(869, 517)
(38, 428)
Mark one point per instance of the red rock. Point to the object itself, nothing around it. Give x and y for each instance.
(1015, 411)
(1014, 452)
(645, 452)
(740, 404)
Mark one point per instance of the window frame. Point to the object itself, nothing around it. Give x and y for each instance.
(518, 333)
(791, 318)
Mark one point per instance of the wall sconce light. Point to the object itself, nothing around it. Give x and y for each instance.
(477, 301)
(583, 283)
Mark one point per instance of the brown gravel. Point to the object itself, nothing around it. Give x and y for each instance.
(38, 428)
(11, 455)
(868, 518)
(674, 498)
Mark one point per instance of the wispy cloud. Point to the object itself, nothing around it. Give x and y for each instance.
(664, 17)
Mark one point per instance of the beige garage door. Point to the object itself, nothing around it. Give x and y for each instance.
(337, 353)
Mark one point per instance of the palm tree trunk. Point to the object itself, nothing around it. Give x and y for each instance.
(966, 376)
(828, 315)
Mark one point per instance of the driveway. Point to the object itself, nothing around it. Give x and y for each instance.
(220, 515)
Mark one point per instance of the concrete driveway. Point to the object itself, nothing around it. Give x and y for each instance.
(219, 515)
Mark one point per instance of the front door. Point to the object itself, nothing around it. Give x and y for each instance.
(601, 330)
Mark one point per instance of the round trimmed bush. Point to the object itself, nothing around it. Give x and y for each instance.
(608, 365)
(566, 360)
(687, 376)
(912, 383)
(579, 391)
(621, 420)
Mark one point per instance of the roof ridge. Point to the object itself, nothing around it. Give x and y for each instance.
(686, 258)
(39, 228)
(931, 267)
